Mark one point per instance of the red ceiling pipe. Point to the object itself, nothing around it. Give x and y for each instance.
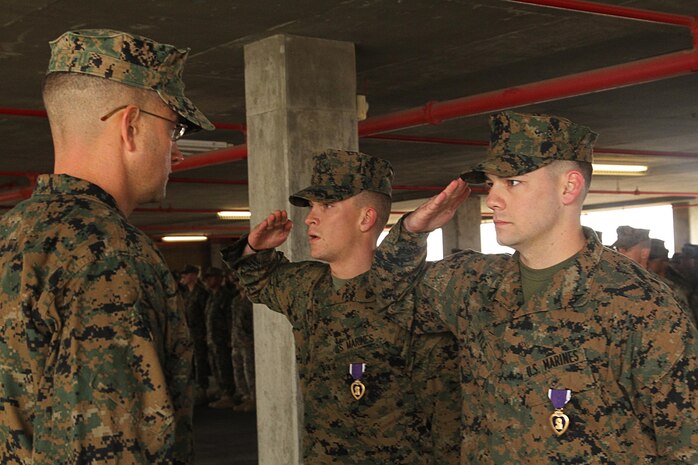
(642, 71)
(612, 10)
(22, 112)
(639, 192)
(217, 157)
(16, 195)
(429, 140)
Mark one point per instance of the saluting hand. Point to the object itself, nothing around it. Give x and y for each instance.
(270, 233)
(439, 209)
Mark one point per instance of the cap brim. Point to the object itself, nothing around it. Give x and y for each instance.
(504, 167)
(184, 107)
(320, 194)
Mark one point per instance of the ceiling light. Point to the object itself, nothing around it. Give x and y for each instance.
(191, 146)
(184, 238)
(605, 169)
(234, 215)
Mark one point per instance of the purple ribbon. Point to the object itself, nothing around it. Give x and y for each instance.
(559, 397)
(357, 370)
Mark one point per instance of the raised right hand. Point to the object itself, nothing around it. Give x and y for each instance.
(439, 209)
(270, 233)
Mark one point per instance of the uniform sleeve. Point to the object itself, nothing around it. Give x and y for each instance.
(402, 275)
(267, 277)
(665, 366)
(118, 390)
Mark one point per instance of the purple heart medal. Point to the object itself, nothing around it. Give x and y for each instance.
(356, 370)
(558, 420)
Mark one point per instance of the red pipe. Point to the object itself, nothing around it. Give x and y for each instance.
(16, 195)
(429, 140)
(637, 72)
(612, 10)
(22, 112)
(217, 157)
(639, 192)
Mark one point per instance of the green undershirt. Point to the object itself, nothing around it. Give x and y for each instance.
(533, 282)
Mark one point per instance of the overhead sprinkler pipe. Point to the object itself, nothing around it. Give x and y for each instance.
(218, 157)
(642, 71)
(613, 10)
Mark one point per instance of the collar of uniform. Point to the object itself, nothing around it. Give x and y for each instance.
(62, 184)
(569, 287)
(356, 289)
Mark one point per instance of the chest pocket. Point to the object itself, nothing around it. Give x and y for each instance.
(567, 370)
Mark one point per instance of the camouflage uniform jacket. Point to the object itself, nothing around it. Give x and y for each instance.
(336, 328)
(95, 354)
(218, 317)
(604, 329)
(195, 306)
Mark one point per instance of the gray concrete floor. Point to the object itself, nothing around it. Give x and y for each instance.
(224, 437)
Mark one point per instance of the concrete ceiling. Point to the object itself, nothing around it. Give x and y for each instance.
(408, 52)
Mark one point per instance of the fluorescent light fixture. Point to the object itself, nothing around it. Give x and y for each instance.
(191, 146)
(607, 169)
(199, 238)
(234, 215)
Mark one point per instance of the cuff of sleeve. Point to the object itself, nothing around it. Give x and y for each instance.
(401, 233)
(232, 255)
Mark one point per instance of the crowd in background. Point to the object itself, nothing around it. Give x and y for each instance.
(679, 272)
(219, 317)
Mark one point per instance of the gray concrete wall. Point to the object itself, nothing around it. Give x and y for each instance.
(301, 99)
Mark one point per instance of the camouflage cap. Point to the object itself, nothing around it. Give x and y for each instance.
(129, 59)
(521, 143)
(629, 237)
(658, 250)
(340, 174)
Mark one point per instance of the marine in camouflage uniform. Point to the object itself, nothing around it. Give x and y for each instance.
(634, 243)
(659, 264)
(195, 295)
(242, 343)
(218, 324)
(601, 330)
(406, 409)
(95, 354)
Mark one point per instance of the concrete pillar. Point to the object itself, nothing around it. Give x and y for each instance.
(301, 99)
(682, 226)
(685, 224)
(463, 231)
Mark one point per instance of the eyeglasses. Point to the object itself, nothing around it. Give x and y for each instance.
(176, 134)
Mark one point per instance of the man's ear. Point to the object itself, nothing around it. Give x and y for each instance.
(369, 216)
(129, 127)
(573, 187)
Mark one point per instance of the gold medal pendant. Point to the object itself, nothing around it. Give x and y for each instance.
(358, 389)
(559, 422)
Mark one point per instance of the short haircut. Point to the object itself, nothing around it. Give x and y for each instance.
(379, 202)
(81, 99)
(583, 167)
